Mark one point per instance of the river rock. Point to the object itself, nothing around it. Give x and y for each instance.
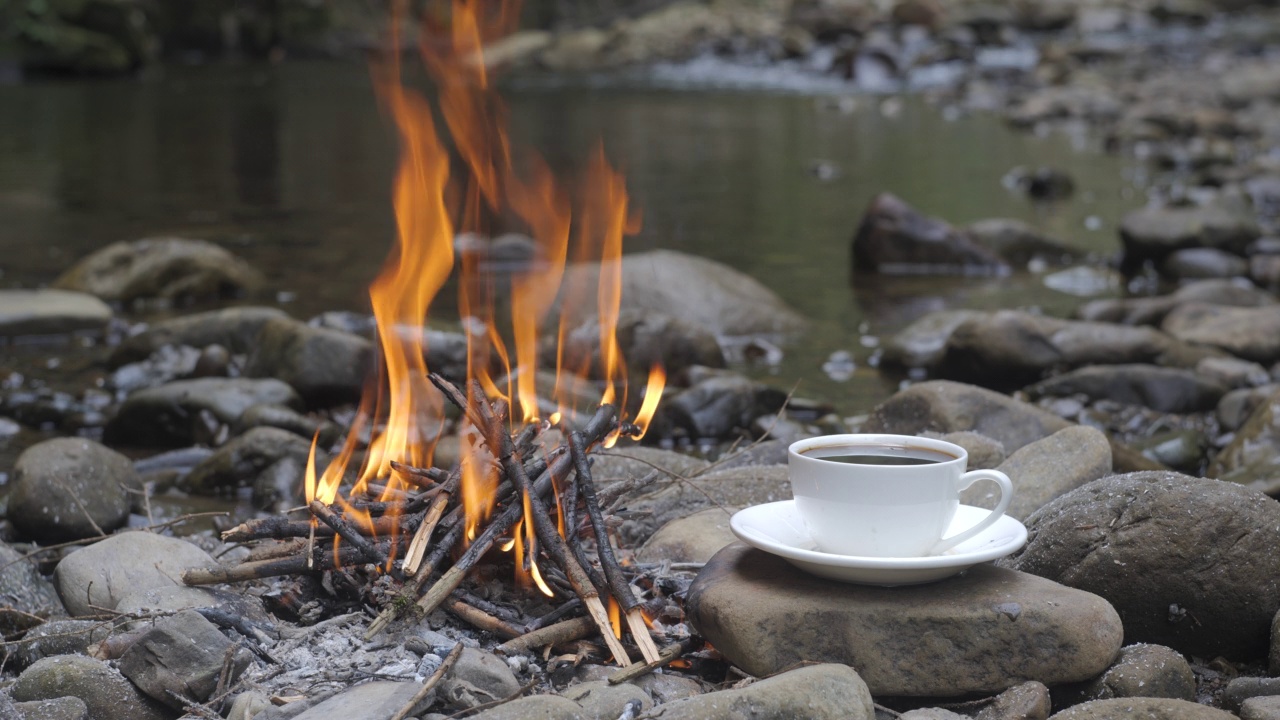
(1249, 333)
(1028, 701)
(1065, 101)
(169, 363)
(1241, 689)
(535, 707)
(923, 343)
(171, 598)
(171, 269)
(931, 714)
(103, 573)
(1020, 244)
(645, 339)
(102, 688)
(181, 655)
(477, 677)
(601, 701)
(234, 328)
(671, 499)
(1232, 372)
(697, 290)
(170, 415)
(1147, 671)
(376, 700)
(1260, 708)
(1142, 709)
(818, 692)
(1236, 406)
(27, 598)
(1256, 445)
(1250, 81)
(984, 452)
(689, 539)
(1265, 270)
(1047, 468)
(63, 708)
(68, 489)
(895, 238)
(285, 418)
(1129, 538)
(981, 632)
(1169, 390)
(326, 367)
(59, 637)
(1152, 310)
(242, 461)
(719, 405)
(50, 312)
(1153, 233)
(1200, 263)
(625, 463)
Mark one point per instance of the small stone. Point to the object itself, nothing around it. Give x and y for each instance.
(1028, 701)
(1047, 468)
(170, 415)
(1142, 709)
(1256, 445)
(1236, 406)
(689, 539)
(1242, 688)
(1169, 390)
(923, 343)
(1261, 708)
(984, 452)
(27, 596)
(1249, 333)
(601, 701)
(181, 655)
(1200, 263)
(170, 269)
(377, 700)
(70, 488)
(1232, 372)
(214, 361)
(59, 637)
(895, 238)
(536, 707)
(1020, 244)
(816, 692)
(325, 366)
(234, 328)
(50, 312)
(932, 714)
(1142, 670)
(102, 689)
(103, 573)
(1153, 233)
(477, 677)
(240, 462)
(63, 708)
(248, 704)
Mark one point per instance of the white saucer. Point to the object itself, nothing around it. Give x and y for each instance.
(777, 528)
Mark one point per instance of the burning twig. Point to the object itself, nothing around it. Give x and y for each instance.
(348, 533)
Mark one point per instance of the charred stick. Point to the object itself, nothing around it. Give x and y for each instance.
(258, 570)
(561, 632)
(480, 619)
(668, 655)
(608, 561)
(283, 528)
(425, 478)
(348, 533)
(555, 615)
(430, 684)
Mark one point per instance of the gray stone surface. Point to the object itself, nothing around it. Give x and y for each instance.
(1142, 709)
(477, 677)
(376, 700)
(164, 268)
(1186, 561)
(637, 462)
(984, 452)
(1236, 406)
(105, 572)
(103, 690)
(1252, 333)
(248, 704)
(169, 598)
(63, 708)
(1027, 701)
(170, 415)
(1155, 232)
(961, 635)
(325, 366)
(1020, 244)
(1232, 372)
(601, 701)
(181, 655)
(536, 707)
(233, 328)
(50, 312)
(68, 489)
(895, 238)
(240, 462)
(931, 714)
(644, 338)
(1256, 444)
(1261, 708)
(1152, 310)
(26, 596)
(689, 539)
(1200, 263)
(1140, 671)
(817, 692)
(1240, 689)
(1046, 469)
(1170, 390)
(59, 637)
(735, 487)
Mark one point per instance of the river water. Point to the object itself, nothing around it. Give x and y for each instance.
(290, 167)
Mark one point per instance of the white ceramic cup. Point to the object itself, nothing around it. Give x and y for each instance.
(885, 510)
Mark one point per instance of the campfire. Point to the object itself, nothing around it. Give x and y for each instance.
(380, 512)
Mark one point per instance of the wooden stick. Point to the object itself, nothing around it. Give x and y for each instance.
(561, 632)
(480, 619)
(348, 533)
(443, 547)
(445, 666)
(278, 527)
(417, 548)
(667, 656)
(272, 568)
(425, 478)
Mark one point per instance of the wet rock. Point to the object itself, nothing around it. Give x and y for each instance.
(984, 452)
(234, 328)
(1147, 671)
(828, 19)
(1232, 372)
(1145, 708)
(689, 539)
(923, 343)
(1256, 444)
(214, 361)
(1163, 389)
(601, 701)
(166, 364)
(894, 238)
(1153, 233)
(181, 655)
(1236, 406)
(63, 708)
(1200, 263)
(943, 406)
(1128, 537)
(102, 688)
(477, 677)
(1260, 708)
(170, 269)
(1020, 244)
(1045, 469)
(940, 639)
(718, 405)
(103, 573)
(671, 499)
(50, 312)
(326, 367)
(59, 637)
(644, 339)
(284, 418)
(697, 290)
(536, 707)
(70, 488)
(1152, 310)
(1043, 183)
(1249, 333)
(242, 461)
(1028, 701)
(1068, 101)
(377, 700)
(818, 692)
(170, 415)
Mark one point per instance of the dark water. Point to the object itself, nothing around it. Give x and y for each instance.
(290, 167)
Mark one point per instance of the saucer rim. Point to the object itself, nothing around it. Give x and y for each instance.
(1016, 540)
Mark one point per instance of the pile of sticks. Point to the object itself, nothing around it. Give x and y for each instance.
(416, 532)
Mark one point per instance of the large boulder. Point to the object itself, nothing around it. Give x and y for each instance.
(1169, 390)
(980, 632)
(102, 574)
(895, 238)
(1153, 233)
(171, 415)
(170, 269)
(233, 328)
(325, 366)
(70, 488)
(1252, 333)
(1185, 561)
(102, 688)
(1045, 469)
(50, 312)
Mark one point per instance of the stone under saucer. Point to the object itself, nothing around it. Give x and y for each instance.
(777, 528)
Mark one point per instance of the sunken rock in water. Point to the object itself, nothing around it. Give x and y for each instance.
(981, 632)
(477, 677)
(673, 498)
(1020, 244)
(1169, 390)
(377, 700)
(1187, 562)
(1047, 468)
(690, 539)
(170, 415)
(50, 312)
(1153, 233)
(103, 573)
(233, 328)
(1152, 310)
(63, 708)
(173, 269)
(70, 488)
(180, 658)
(1141, 670)
(819, 692)
(102, 688)
(26, 596)
(601, 701)
(1142, 709)
(243, 460)
(1249, 333)
(895, 238)
(326, 367)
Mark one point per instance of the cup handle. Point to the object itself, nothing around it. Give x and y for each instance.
(1006, 494)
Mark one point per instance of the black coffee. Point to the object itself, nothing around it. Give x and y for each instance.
(881, 459)
(880, 456)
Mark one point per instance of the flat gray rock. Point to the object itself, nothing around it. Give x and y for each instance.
(70, 488)
(1154, 233)
(923, 343)
(240, 462)
(170, 415)
(818, 692)
(59, 637)
(601, 701)
(1169, 390)
(181, 655)
(377, 700)
(689, 539)
(1261, 708)
(50, 312)
(105, 572)
(26, 596)
(234, 328)
(1142, 709)
(536, 707)
(1252, 333)
(1152, 310)
(981, 632)
(1047, 468)
(735, 487)
(325, 366)
(164, 268)
(101, 687)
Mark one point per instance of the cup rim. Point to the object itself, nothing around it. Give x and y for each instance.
(797, 449)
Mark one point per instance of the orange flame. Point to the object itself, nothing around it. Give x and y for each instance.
(652, 394)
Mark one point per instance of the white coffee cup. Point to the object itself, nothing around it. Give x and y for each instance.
(885, 510)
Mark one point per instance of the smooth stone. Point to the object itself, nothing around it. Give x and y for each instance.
(1236, 406)
(70, 488)
(279, 416)
(102, 688)
(1181, 450)
(248, 704)
(671, 499)
(105, 572)
(170, 415)
(932, 714)
(1142, 709)
(183, 597)
(1265, 270)
(1261, 708)
(601, 701)
(50, 312)
(984, 452)
(28, 597)
(1248, 333)
(165, 268)
(1152, 310)
(1154, 233)
(240, 462)
(1142, 670)
(1256, 444)
(719, 405)
(536, 707)
(981, 632)
(645, 339)
(376, 700)
(1020, 244)
(689, 539)
(1028, 701)
(1169, 390)
(617, 464)
(234, 328)
(923, 343)
(817, 692)
(477, 677)
(59, 637)
(1232, 372)
(766, 452)
(895, 238)
(661, 687)
(1045, 469)
(1127, 538)
(1201, 263)
(1240, 689)
(63, 708)
(181, 655)
(326, 367)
